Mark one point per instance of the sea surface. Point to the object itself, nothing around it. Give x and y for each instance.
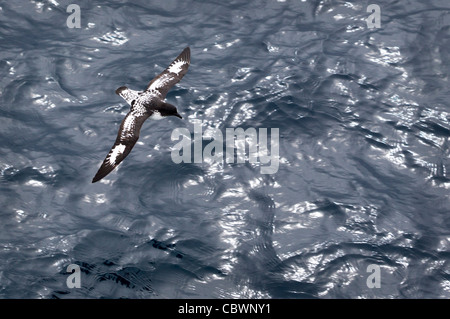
(358, 206)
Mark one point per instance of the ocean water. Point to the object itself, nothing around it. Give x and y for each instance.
(357, 208)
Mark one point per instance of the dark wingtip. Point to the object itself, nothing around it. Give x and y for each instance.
(186, 54)
(96, 179)
(102, 172)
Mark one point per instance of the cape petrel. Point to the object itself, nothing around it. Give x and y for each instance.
(147, 104)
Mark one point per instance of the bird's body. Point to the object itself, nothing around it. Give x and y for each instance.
(147, 104)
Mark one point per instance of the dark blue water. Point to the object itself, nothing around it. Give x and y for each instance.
(364, 168)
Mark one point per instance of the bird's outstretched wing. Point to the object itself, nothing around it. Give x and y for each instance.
(126, 138)
(162, 83)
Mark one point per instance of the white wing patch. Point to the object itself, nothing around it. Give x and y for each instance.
(176, 67)
(159, 83)
(116, 151)
(128, 126)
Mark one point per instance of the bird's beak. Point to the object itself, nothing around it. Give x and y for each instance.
(178, 115)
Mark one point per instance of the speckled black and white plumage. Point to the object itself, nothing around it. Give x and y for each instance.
(147, 104)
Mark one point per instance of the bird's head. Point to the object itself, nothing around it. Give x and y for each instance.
(169, 110)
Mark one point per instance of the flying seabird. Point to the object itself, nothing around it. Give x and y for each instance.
(149, 103)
